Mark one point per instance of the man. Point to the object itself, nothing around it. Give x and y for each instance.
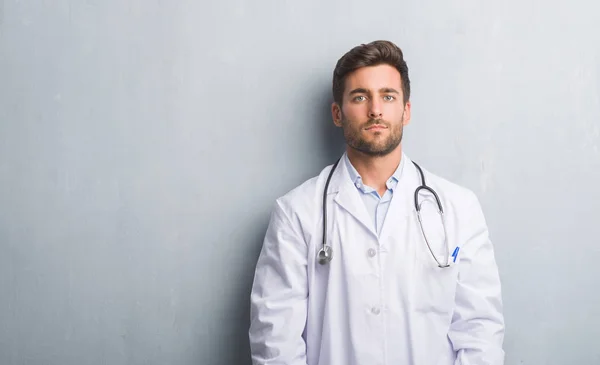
(388, 286)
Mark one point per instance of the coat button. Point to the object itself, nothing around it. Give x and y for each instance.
(371, 252)
(375, 310)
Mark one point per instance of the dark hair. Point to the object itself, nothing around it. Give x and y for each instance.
(371, 54)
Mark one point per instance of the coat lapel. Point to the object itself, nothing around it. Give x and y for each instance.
(348, 197)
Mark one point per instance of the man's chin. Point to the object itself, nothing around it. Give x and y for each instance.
(376, 152)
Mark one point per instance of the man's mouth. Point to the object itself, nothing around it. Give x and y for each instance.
(376, 127)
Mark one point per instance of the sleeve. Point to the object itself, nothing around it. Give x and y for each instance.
(477, 328)
(278, 300)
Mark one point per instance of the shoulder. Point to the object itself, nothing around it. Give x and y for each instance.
(306, 197)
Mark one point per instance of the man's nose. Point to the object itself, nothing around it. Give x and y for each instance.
(375, 110)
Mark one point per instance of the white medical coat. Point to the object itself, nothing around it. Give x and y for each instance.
(382, 299)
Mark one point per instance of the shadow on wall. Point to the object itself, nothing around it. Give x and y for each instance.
(240, 305)
(223, 335)
(332, 138)
(326, 150)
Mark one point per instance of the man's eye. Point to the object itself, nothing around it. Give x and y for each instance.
(359, 98)
(389, 98)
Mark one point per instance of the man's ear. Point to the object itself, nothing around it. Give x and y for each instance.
(406, 118)
(336, 114)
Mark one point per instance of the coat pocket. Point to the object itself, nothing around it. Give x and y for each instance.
(435, 287)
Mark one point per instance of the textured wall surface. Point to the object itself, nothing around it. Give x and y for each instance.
(142, 144)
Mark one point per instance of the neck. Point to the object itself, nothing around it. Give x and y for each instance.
(375, 170)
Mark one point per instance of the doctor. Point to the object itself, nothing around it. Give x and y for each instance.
(388, 285)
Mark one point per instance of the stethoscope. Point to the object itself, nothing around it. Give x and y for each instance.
(325, 254)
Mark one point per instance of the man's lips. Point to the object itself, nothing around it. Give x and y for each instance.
(376, 127)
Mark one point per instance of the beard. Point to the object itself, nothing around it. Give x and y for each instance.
(378, 147)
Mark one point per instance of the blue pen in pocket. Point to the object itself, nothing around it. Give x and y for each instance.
(455, 253)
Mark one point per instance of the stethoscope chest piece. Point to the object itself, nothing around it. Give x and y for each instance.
(325, 255)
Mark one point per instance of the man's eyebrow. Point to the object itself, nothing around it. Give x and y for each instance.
(387, 90)
(359, 91)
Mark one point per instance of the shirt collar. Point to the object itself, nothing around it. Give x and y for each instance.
(357, 179)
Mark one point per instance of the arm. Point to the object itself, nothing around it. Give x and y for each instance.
(279, 295)
(477, 329)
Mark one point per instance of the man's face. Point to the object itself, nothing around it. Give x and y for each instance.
(373, 113)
